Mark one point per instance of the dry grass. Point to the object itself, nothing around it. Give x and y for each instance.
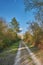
(39, 54)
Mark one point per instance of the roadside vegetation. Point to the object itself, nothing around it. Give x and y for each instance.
(10, 50)
(34, 35)
(34, 39)
(9, 37)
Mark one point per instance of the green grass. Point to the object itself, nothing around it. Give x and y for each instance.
(15, 45)
(10, 50)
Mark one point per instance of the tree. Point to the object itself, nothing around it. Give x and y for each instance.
(37, 33)
(31, 4)
(15, 25)
(3, 27)
(8, 35)
(36, 27)
(28, 37)
(37, 5)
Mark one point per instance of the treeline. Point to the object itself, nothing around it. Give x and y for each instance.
(8, 33)
(36, 27)
(34, 35)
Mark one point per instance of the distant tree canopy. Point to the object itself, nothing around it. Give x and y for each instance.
(15, 25)
(28, 37)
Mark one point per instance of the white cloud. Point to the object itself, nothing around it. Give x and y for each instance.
(21, 29)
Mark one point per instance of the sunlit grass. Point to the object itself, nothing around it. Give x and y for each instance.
(10, 50)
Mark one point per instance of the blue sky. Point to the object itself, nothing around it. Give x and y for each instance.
(15, 8)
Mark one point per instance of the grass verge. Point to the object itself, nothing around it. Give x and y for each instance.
(11, 50)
